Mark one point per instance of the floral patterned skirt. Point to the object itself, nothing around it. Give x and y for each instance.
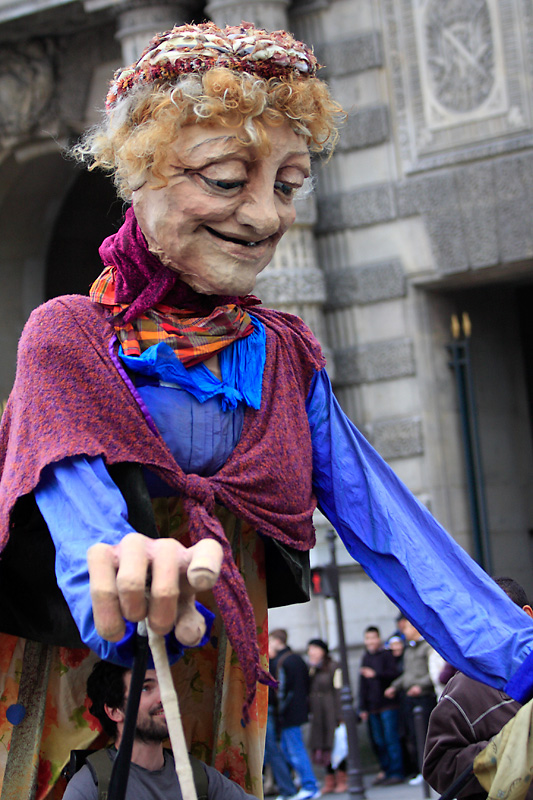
(208, 680)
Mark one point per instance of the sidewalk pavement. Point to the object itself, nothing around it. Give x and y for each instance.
(402, 791)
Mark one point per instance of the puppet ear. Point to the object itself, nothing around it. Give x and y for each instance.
(115, 714)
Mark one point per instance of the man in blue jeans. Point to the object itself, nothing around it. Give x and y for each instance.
(292, 711)
(378, 669)
(281, 769)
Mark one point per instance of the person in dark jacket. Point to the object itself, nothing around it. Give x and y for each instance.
(293, 710)
(378, 670)
(467, 716)
(274, 756)
(325, 708)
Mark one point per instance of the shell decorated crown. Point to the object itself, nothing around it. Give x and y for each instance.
(198, 48)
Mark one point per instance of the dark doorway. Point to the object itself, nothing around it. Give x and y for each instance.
(501, 347)
(524, 298)
(90, 212)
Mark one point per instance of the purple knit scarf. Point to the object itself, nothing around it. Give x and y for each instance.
(142, 280)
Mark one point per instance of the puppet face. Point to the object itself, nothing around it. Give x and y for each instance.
(220, 217)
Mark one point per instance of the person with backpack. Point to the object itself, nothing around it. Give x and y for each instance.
(152, 771)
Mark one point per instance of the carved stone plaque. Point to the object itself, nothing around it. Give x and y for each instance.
(460, 72)
(459, 52)
(461, 65)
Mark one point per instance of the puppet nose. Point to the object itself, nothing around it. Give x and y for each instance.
(260, 213)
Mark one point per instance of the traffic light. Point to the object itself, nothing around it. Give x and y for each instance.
(324, 581)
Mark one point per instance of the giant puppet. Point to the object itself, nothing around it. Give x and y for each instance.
(170, 391)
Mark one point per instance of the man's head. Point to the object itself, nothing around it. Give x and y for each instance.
(372, 639)
(516, 593)
(317, 652)
(401, 621)
(108, 689)
(395, 645)
(410, 632)
(277, 641)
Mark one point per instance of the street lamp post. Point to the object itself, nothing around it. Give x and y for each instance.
(355, 777)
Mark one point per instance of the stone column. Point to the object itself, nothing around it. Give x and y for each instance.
(293, 281)
(271, 15)
(138, 22)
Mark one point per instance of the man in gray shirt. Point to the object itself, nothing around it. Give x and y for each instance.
(152, 771)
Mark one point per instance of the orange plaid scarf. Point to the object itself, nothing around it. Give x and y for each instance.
(193, 338)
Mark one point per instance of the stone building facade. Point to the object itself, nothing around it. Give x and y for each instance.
(424, 212)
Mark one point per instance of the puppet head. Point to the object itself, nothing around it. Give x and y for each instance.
(209, 134)
(241, 77)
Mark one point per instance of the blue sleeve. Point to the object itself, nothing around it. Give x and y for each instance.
(82, 506)
(455, 605)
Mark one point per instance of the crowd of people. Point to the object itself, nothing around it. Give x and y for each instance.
(395, 678)
(425, 720)
(306, 691)
(399, 684)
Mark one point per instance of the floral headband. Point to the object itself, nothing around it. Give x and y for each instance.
(198, 48)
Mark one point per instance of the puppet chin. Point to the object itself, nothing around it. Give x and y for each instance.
(237, 286)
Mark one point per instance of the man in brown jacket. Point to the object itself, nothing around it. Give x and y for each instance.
(468, 714)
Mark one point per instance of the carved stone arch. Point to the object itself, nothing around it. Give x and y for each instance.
(33, 182)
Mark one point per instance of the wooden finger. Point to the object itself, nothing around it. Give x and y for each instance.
(164, 589)
(132, 574)
(205, 565)
(104, 595)
(190, 625)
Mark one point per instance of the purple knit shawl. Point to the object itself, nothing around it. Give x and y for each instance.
(69, 399)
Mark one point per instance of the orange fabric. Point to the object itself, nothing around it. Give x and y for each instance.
(194, 338)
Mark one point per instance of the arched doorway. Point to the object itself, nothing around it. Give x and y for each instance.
(90, 212)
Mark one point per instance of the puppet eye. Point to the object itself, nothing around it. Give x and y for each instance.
(286, 189)
(222, 186)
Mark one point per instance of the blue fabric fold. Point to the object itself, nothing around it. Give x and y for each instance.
(457, 607)
(241, 365)
(520, 687)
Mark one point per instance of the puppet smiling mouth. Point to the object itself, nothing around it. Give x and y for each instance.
(233, 239)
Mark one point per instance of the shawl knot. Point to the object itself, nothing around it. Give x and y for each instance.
(200, 490)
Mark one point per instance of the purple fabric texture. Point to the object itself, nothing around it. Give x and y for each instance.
(143, 281)
(69, 399)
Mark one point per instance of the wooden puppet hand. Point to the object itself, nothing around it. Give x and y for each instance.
(120, 574)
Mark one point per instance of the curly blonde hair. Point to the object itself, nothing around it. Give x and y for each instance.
(134, 136)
